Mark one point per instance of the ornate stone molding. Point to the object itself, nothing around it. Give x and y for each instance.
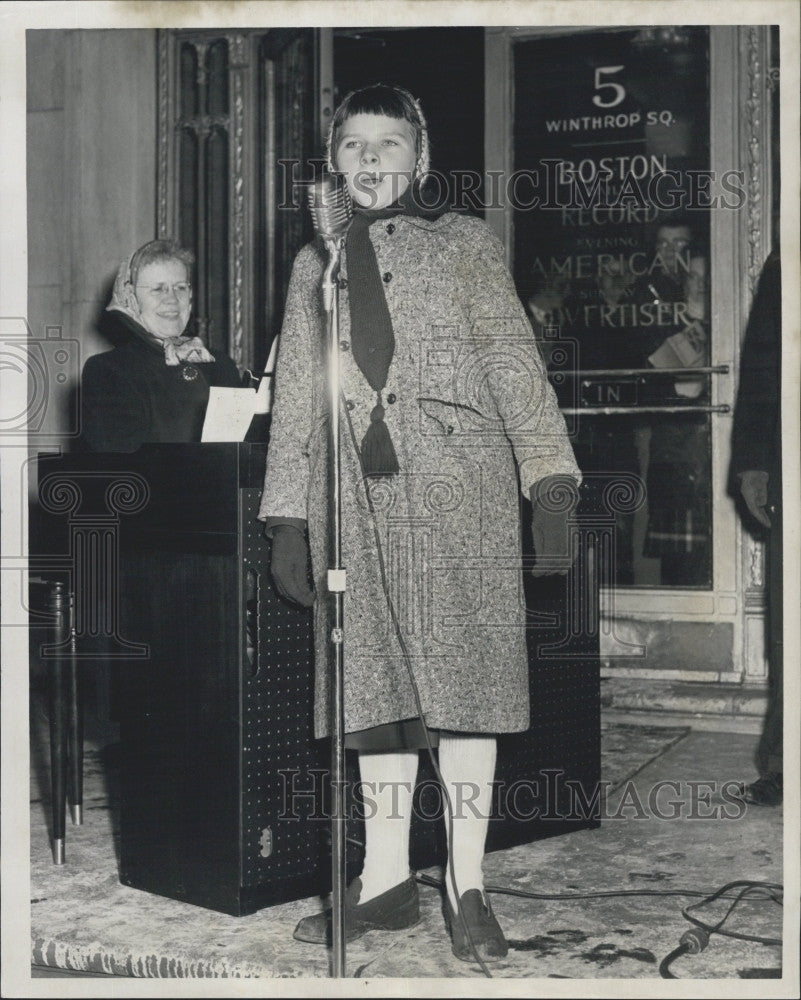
(755, 157)
(163, 221)
(756, 565)
(773, 77)
(295, 82)
(757, 124)
(237, 52)
(237, 69)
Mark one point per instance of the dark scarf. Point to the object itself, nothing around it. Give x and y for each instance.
(372, 337)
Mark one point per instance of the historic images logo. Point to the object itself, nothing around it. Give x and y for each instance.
(50, 367)
(546, 798)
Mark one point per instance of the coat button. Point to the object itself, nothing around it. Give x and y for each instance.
(449, 429)
(387, 277)
(391, 228)
(343, 282)
(391, 397)
(344, 345)
(350, 404)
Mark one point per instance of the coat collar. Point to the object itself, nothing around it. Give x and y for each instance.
(442, 222)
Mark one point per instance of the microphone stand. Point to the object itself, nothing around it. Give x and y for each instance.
(336, 587)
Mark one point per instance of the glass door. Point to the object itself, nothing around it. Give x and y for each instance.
(613, 131)
(632, 180)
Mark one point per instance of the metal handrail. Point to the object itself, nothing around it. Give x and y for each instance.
(608, 372)
(634, 409)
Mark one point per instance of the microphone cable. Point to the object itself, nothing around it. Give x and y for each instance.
(696, 938)
(416, 692)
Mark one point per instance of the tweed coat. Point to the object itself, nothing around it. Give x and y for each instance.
(474, 421)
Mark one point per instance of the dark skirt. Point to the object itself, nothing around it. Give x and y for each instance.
(405, 734)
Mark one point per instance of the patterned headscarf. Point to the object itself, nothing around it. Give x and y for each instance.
(361, 100)
(123, 296)
(177, 350)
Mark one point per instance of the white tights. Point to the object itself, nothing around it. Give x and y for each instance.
(387, 787)
(467, 764)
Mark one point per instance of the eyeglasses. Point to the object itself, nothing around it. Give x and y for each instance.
(181, 290)
(676, 244)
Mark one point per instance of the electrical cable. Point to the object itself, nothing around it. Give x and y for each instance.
(687, 947)
(747, 888)
(502, 890)
(415, 691)
(695, 939)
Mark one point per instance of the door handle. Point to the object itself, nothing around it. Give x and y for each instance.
(643, 372)
(634, 410)
(639, 376)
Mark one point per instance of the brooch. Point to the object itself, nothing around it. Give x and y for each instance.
(189, 373)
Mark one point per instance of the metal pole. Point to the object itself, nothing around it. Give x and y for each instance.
(75, 731)
(336, 587)
(59, 608)
(646, 372)
(634, 411)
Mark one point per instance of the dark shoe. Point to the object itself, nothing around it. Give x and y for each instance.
(485, 931)
(765, 791)
(393, 910)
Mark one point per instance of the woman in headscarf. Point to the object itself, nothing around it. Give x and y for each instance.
(447, 414)
(154, 385)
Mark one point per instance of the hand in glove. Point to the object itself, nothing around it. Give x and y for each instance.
(553, 499)
(290, 559)
(754, 488)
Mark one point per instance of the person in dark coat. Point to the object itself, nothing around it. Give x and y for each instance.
(757, 473)
(447, 415)
(154, 385)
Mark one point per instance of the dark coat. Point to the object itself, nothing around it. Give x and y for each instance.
(474, 422)
(756, 433)
(130, 396)
(757, 447)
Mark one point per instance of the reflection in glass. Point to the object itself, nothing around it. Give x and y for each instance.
(611, 256)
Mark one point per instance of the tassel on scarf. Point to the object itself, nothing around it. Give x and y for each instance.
(378, 451)
(372, 336)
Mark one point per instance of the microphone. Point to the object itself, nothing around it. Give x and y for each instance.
(331, 206)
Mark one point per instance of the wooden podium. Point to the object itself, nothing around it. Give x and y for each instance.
(223, 788)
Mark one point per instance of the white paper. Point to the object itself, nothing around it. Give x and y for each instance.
(228, 414)
(264, 395)
(270, 366)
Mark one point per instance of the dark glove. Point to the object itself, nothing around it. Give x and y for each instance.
(553, 500)
(289, 565)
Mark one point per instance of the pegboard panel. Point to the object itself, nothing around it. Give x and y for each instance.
(282, 764)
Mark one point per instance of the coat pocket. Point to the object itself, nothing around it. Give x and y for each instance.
(443, 418)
